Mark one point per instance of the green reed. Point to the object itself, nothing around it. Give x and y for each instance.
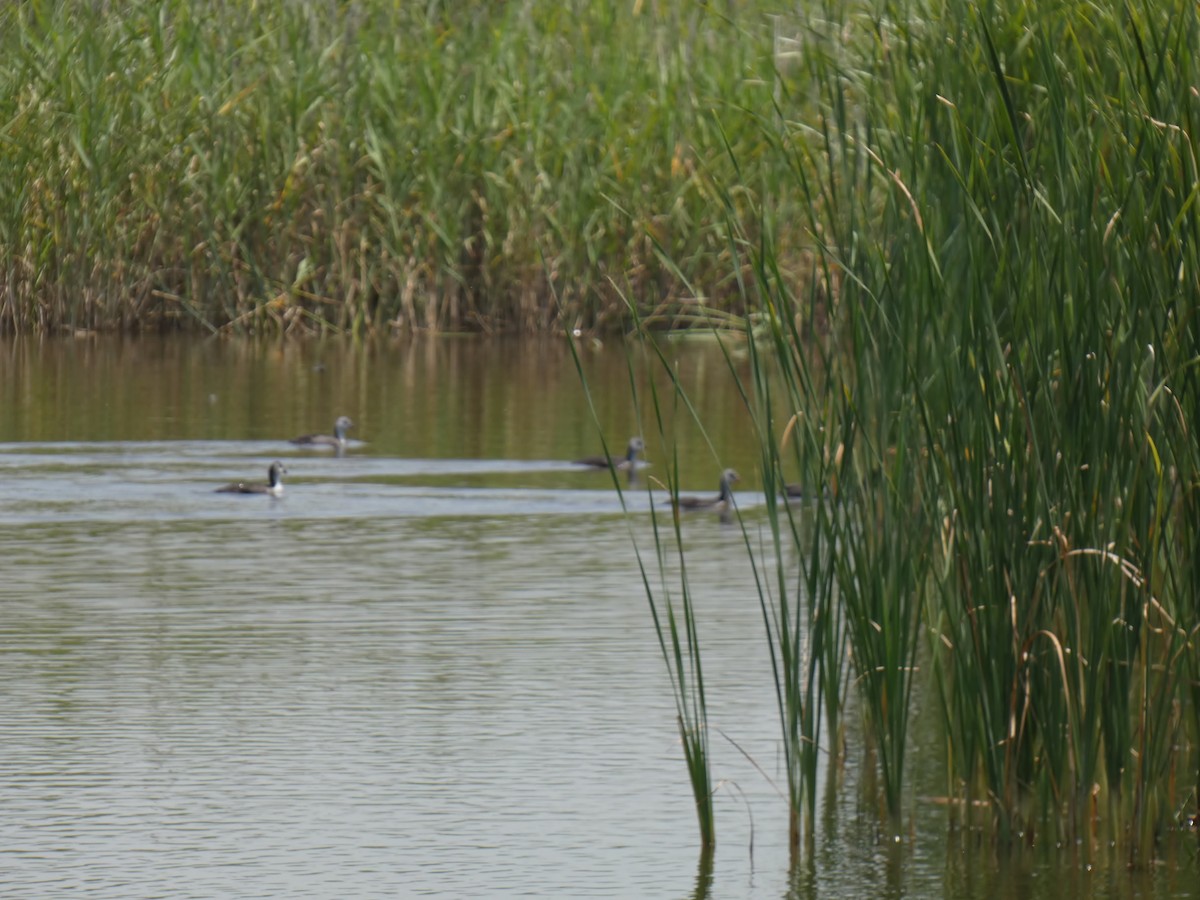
(987, 351)
(804, 630)
(1014, 281)
(680, 640)
(670, 603)
(303, 166)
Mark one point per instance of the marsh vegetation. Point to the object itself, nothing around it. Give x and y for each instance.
(326, 166)
(957, 243)
(989, 381)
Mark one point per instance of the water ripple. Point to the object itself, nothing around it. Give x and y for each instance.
(380, 684)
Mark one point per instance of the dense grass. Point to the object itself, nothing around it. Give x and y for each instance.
(1009, 234)
(368, 165)
(992, 369)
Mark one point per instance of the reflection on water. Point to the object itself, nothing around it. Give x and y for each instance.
(427, 669)
(441, 398)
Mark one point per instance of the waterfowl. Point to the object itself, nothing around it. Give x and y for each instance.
(623, 464)
(799, 492)
(274, 485)
(721, 503)
(336, 440)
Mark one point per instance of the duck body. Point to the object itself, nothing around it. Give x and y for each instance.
(273, 487)
(336, 440)
(721, 503)
(627, 463)
(799, 492)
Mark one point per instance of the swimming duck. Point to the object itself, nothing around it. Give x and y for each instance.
(799, 492)
(336, 440)
(274, 485)
(721, 503)
(626, 463)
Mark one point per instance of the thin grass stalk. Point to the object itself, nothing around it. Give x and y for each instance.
(815, 651)
(806, 651)
(791, 636)
(795, 641)
(678, 642)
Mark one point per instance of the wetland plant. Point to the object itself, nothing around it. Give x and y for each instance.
(989, 357)
(669, 599)
(302, 167)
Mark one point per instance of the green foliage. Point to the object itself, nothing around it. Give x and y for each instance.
(347, 166)
(1002, 303)
(972, 290)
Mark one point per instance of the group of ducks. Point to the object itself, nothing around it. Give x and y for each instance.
(274, 485)
(628, 463)
(724, 499)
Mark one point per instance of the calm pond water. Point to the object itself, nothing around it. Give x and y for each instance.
(428, 669)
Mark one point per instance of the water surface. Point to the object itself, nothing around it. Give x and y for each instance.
(428, 669)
